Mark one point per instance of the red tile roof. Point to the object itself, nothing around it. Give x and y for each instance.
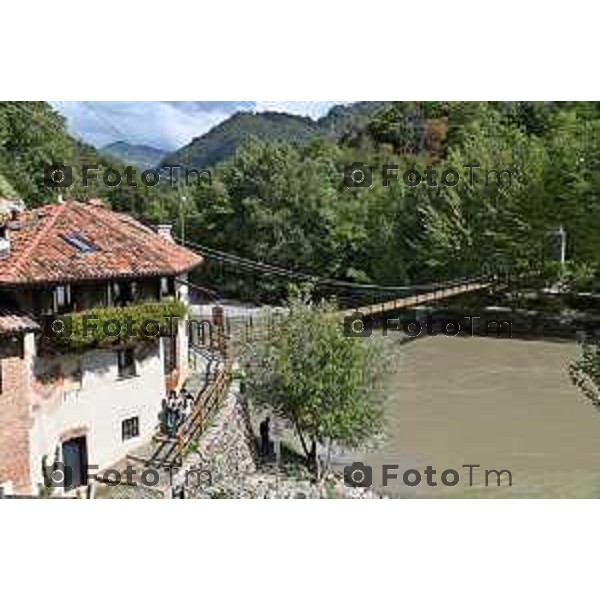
(16, 322)
(124, 247)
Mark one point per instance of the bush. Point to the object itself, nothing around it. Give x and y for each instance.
(106, 327)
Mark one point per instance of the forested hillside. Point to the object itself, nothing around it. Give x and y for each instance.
(33, 136)
(286, 203)
(137, 155)
(222, 141)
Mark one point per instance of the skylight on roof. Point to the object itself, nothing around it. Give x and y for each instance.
(79, 242)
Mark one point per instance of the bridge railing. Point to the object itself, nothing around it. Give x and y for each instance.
(418, 294)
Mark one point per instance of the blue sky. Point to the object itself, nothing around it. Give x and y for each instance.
(165, 125)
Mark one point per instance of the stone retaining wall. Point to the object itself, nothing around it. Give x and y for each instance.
(225, 465)
(225, 452)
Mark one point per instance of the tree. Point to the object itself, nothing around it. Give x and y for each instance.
(32, 136)
(329, 387)
(6, 189)
(276, 204)
(585, 372)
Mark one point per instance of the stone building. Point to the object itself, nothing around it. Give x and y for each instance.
(74, 398)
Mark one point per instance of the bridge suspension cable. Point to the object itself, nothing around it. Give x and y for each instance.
(285, 272)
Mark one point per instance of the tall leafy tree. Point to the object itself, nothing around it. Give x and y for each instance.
(328, 386)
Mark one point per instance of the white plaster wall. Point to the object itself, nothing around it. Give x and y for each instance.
(100, 406)
(7, 487)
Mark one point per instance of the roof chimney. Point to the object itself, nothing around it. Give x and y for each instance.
(165, 232)
(97, 202)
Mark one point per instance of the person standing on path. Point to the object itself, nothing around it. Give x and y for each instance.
(265, 442)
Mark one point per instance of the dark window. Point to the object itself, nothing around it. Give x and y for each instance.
(79, 242)
(130, 428)
(43, 302)
(126, 362)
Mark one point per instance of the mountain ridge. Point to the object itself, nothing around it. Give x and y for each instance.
(138, 155)
(221, 142)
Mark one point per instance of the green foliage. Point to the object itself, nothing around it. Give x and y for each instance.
(33, 136)
(328, 386)
(106, 327)
(278, 197)
(222, 142)
(581, 277)
(6, 189)
(401, 126)
(286, 204)
(137, 155)
(585, 372)
(571, 277)
(342, 120)
(275, 203)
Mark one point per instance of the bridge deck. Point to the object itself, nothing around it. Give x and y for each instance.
(419, 298)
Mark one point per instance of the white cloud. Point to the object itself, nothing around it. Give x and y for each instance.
(161, 124)
(166, 125)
